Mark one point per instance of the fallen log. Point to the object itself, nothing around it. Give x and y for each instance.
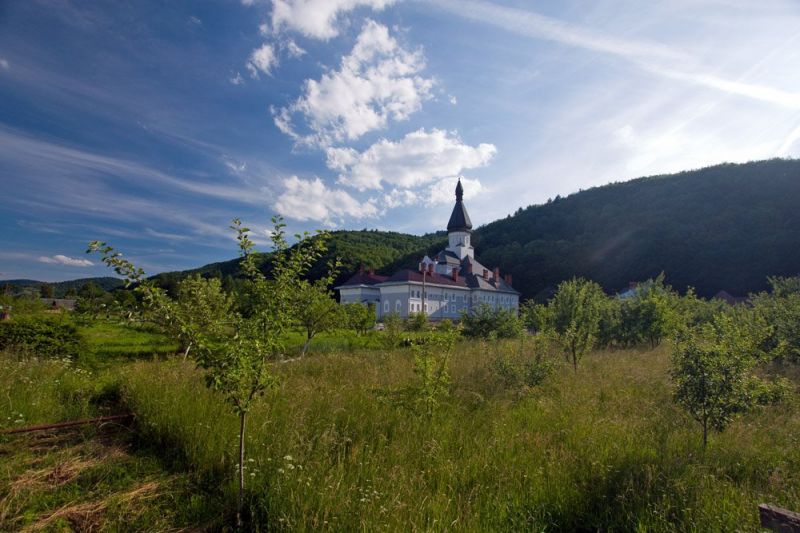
(62, 425)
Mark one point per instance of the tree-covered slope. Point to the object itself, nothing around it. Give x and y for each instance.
(723, 227)
(60, 288)
(381, 250)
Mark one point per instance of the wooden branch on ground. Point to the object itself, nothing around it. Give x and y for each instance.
(778, 519)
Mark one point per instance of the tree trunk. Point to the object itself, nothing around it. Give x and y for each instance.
(705, 433)
(240, 503)
(305, 346)
(186, 351)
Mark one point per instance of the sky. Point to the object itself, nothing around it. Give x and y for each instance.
(151, 125)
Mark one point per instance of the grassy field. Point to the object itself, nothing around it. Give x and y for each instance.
(603, 448)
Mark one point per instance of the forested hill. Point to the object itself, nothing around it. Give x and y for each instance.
(725, 227)
(382, 250)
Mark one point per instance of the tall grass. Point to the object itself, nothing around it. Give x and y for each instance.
(603, 448)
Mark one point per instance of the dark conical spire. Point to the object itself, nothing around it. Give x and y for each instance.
(459, 220)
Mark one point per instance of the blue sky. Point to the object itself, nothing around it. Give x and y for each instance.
(152, 124)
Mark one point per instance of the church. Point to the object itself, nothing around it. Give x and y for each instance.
(445, 286)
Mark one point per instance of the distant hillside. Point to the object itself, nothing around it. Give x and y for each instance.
(723, 227)
(60, 288)
(381, 250)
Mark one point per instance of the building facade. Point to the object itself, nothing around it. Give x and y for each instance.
(445, 286)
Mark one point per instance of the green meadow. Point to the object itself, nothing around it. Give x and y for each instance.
(603, 448)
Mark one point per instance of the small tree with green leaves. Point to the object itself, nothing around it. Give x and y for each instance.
(431, 365)
(200, 310)
(712, 373)
(392, 329)
(316, 310)
(417, 322)
(237, 364)
(485, 321)
(432, 354)
(238, 367)
(574, 317)
(360, 318)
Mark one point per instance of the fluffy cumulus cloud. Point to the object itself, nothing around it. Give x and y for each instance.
(263, 59)
(379, 80)
(312, 200)
(64, 260)
(419, 158)
(4, 63)
(316, 18)
(439, 192)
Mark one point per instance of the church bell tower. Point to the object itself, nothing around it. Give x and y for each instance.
(459, 228)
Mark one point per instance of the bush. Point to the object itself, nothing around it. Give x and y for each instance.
(43, 337)
(485, 321)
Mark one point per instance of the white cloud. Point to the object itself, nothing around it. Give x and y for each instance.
(4, 63)
(196, 21)
(262, 59)
(313, 200)
(417, 159)
(316, 18)
(440, 192)
(237, 79)
(293, 49)
(377, 81)
(64, 260)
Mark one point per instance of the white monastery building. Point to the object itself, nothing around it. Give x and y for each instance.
(444, 287)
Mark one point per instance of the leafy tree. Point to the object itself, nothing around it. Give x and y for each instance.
(237, 365)
(485, 321)
(200, 310)
(574, 317)
(780, 310)
(46, 290)
(712, 373)
(360, 318)
(393, 327)
(92, 300)
(316, 310)
(417, 322)
(534, 315)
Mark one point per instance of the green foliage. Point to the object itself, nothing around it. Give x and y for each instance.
(607, 452)
(199, 312)
(393, 328)
(573, 317)
(46, 291)
(780, 311)
(417, 322)
(712, 373)
(485, 321)
(631, 231)
(528, 366)
(432, 354)
(358, 317)
(237, 367)
(316, 311)
(652, 314)
(534, 315)
(50, 337)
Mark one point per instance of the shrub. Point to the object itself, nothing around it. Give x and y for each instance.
(43, 337)
(485, 321)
